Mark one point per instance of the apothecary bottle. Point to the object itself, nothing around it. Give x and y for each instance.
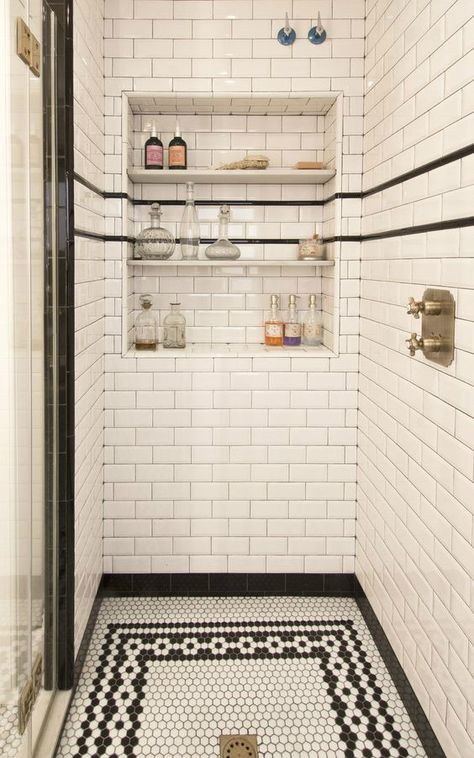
(189, 231)
(153, 151)
(223, 248)
(292, 327)
(145, 326)
(174, 328)
(154, 242)
(312, 327)
(274, 324)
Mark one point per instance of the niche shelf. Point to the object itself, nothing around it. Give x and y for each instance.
(228, 264)
(226, 176)
(310, 125)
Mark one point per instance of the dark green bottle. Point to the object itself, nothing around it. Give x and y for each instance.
(177, 151)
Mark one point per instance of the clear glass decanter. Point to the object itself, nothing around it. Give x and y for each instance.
(154, 242)
(223, 248)
(189, 231)
(145, 326)
(174, 328)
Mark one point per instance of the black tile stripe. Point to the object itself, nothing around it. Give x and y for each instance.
(410, 701)
(455, 155)
(64, 643)
(152, 585)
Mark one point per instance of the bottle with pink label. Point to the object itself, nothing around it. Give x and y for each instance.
(153, 151)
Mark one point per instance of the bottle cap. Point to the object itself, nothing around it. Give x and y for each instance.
(275, 301)
(177, 131)
(312, 300)
(155, 209)
(153, 129)
(292, 300)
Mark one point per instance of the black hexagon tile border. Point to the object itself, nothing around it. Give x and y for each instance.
(168, 676)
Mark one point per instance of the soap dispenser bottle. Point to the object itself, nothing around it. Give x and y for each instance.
(153, 151)
(274, 324)
(292, 332)
(177, 151)
(312, 327)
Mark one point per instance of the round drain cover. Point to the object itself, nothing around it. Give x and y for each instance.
(240, 746)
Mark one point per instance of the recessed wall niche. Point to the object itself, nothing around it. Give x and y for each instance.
(271, 210)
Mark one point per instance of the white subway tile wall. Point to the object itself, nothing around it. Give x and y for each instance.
(89, 294)
(230, 463)
(249, 463)
(416, 427)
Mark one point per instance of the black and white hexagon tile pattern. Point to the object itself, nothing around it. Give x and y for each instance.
(168, 676)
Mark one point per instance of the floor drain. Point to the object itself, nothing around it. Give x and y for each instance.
(238, 746)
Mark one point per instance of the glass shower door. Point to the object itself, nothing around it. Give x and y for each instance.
(28, 383)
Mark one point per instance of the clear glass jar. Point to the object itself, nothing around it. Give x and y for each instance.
(311, 250)
(174, 328)
(154, 242)
(189, 230)
(145, 326)
(223, 248)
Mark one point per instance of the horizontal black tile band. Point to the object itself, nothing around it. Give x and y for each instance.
(236, 203)
(410, 701)
(436, 226)
(423, 169)
(86, 183)
(456, 155)
(343, 238)
(151, 585)
(103, 237)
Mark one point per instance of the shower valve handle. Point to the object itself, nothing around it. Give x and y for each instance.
(428, 344)
(427, 307)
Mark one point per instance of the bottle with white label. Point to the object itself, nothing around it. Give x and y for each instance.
(312, 327)
(292, 333)
(274, 324)
(153, 151)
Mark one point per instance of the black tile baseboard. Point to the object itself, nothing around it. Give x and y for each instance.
(147, 585)
(407, 695)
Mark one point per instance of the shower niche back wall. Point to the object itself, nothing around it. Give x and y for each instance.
(224, 303)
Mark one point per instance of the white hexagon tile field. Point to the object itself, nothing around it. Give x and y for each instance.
(169, 676)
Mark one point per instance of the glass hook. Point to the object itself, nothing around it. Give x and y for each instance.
(286, 35)
(317, 34)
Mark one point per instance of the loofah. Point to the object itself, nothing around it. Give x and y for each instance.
(249, 162)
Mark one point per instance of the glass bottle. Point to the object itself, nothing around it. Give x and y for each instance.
(174, 328)
(223, 248)
(189, 231)
(274, 324)
(292, 330)
(145, 326)
(153, 151)
(312, 327)
(154, 242)
(177, 151)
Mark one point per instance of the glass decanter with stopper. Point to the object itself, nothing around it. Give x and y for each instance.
(154, 243)
(223, 248)
(174, 328)
(145, 326)
(189, 231)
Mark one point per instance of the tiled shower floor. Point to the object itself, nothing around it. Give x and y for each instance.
(168, 676)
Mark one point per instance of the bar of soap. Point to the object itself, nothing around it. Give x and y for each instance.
(309, 164)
